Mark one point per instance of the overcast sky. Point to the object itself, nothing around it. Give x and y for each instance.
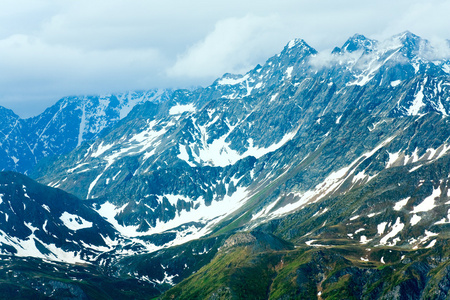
(53, 48)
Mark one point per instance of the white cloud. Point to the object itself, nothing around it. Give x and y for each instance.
(326, 58)
(234, 46)
(36, 71)
(52, 48)
(424, 18)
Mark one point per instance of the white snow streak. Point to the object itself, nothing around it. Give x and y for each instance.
(418, 101)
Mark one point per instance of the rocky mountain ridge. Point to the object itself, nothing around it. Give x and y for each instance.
(345, 151)
(63, 126)
(241, 133)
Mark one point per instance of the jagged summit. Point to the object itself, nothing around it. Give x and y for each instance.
(297, 43)
(296, 46)
(411, 45)
(345, 154)
(83, 118)
(356, 43)
(241, 120)
(407, 37)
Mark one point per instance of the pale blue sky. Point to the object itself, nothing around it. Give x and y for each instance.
(54, 48)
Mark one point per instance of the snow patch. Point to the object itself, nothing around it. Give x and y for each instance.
(268, 208)
(431, 244)
(207, 215)
(231, 81)
(392, 159)
(46, 207)
(428, 203)
(292, 43)
(219, 153)
(359, 230)
(331, 184)
(168, 279)
(424, 239)
(273, 97)
(289, 72)
(101, 149)
(417, 104)
(27, 248)
(415, 219)
(400, 204)
(415, 168)
(395, 83)
(364, 240)
(396, 228)
(381, 227)
(371, 215)
(179, 109)
(184, 155)
(74, 222)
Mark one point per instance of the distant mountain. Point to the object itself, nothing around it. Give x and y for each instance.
(63, 126)
(315, 175)
(40, 221)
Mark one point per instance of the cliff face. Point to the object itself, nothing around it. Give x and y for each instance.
(312, 176)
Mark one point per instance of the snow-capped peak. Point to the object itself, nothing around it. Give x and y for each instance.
(359, 42)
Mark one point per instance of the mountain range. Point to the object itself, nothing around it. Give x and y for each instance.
(63, 126)
(312, 176)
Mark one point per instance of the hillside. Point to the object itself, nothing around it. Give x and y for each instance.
(312, 176)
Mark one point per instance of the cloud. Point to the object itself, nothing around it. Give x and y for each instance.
(325, 59)
(427, 19)
(234, 46)
(53, 48)
(33, 69)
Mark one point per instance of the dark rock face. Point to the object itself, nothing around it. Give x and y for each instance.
(443, 285)
(31, 278)
(272, 135)
(40, 221)
(347, 150)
